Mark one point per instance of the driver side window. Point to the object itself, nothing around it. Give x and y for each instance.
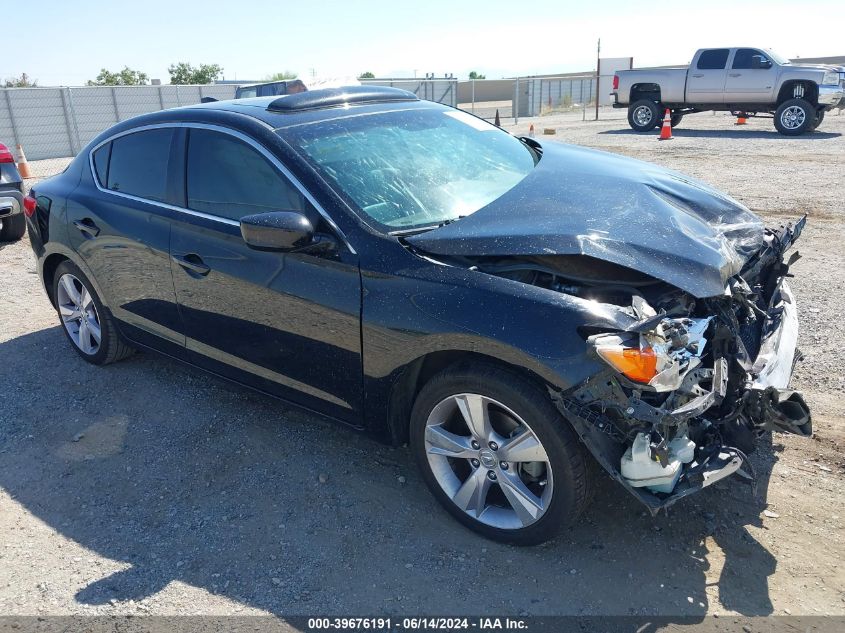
(228, 178)
(743, 58)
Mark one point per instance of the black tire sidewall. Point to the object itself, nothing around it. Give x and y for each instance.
(809, 117)
(655, 111)
(14, 228)
(529, 402)
(102, 353)
(676, 119)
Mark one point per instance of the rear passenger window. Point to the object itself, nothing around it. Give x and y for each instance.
(138, 164)
(101, 163)
(713, 60)
(230, 179)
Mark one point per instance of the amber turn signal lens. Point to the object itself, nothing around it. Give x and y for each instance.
(640, 365)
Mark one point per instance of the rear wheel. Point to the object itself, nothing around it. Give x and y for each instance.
(795, 117)
(497, 455)
(14, 227)
(643, 115)
(87, 323)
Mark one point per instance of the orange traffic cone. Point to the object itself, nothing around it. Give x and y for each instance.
(740, 119)
(496, 122)
(666, 130)
(531, 131)
(23, 166)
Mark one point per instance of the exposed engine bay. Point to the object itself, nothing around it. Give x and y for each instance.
(693, 382)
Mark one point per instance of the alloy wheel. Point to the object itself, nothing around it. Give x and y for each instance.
(793, 117)
(488, 461)
(79, 314)
(642, 115)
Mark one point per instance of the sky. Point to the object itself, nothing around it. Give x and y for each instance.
(69, 42)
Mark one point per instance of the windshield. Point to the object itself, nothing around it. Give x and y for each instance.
(775, 57)
(414, 168)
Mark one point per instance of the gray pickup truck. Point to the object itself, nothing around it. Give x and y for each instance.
(746, 81)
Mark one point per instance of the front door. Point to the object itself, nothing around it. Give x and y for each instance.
(119, 223)
(752, 77)
(706, 80)
(286, 323)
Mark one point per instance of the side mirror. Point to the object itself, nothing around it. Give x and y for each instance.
(759, 62)
(277, 230)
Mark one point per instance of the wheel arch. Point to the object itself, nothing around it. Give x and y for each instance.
(48, 272)
(788, 89)
(645, 91)
(413, 376)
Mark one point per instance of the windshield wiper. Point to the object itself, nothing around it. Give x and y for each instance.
(423, 229)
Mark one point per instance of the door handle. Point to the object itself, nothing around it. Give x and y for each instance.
(734, 74)
(192, 263)
(699, 76)
(87, 227)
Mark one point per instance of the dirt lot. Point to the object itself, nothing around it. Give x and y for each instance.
(148, 488)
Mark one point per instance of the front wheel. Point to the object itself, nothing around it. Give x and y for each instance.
(497, 455)
(795, 117)
(643, 115)
(818, 120)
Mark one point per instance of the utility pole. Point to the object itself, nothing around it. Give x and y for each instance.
(598, 76)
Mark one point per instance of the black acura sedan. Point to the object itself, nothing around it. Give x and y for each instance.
(515, 311)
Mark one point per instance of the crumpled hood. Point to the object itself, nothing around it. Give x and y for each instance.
(624, 211)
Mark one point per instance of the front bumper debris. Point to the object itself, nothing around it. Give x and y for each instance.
(718, 401)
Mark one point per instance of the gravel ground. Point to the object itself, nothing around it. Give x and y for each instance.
(148, 488)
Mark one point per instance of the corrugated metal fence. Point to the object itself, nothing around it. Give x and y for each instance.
(59, 122)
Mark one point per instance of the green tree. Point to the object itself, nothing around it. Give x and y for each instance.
(366, 75)
(282, 76)
(183, 73)
(125, 77)
(20, 82)
(475, 75)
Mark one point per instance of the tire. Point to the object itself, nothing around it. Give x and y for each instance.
(795, 117)
(638, 117)
(818, 120)
(77, 302)
(557, 478)
(14, 228)
(674, 120)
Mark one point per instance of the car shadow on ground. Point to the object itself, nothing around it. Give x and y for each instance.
(743, 133)
(182, 477)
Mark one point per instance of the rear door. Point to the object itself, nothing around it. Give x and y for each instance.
(706, 77)
(119, 223)
(748, 81)
(286, 323)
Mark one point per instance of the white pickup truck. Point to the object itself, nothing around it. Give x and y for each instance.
(745, 81)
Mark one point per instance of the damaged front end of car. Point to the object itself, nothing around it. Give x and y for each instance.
(693, 382)
(690, 381)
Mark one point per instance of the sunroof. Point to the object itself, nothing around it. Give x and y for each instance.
(332, 97)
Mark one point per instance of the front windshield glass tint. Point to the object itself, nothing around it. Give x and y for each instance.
(775, 57)
(414, 168)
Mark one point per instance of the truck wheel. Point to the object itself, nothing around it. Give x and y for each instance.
(676, 119)
(794, 117)
(12, 228)
(819, 119)
(643, 115)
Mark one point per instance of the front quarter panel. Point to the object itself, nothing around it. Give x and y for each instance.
(423, 307)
